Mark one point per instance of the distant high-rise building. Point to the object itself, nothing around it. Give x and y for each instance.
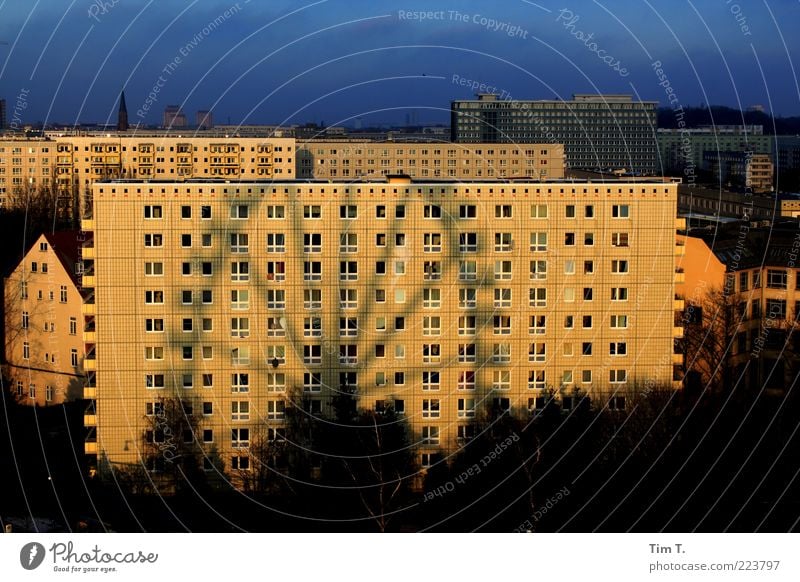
(598, 131)
(174, 117)
(122, 118)
(2, 114)
(204, 119)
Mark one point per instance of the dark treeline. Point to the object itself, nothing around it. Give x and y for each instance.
(671, 461)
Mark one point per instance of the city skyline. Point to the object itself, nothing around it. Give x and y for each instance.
(382, 62)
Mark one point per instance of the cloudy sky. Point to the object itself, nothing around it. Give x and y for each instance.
(283, 62)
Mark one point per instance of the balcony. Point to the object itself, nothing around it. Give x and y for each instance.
(677, 332)
(90, 447)
(680, 250)
(678, 305)
(88, 282)
(89, 420)
(87, 224)
(677, 359)
(88, 309)
(89, 393)
(90, 337)
(680, 224)
(680, 276)
(87, 253)
(89, 364)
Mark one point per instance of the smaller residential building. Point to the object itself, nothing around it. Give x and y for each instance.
(754, 171)
(44, 329)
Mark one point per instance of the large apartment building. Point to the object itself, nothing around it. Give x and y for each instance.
(598, 131)
(73, 163)
(44, 325)
(343, 160)
(443, 301)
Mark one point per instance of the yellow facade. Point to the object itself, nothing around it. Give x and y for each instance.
(345, 160)
(446, 301)
(44, 326)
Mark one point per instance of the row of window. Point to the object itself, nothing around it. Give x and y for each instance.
(49, 391)
(350, 211)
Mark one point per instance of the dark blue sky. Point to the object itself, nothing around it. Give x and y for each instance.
(280, 61)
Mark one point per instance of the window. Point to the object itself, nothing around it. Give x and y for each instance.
(431, 298)
(503, 242)
(240, 463)
(399, 323)
(430, 408)
(501, 324)
(26, 350)
(348, 298)
(400, 239)
(154, 297)
(312, 271)
(569, 267)
(536, 380)
(467, 298)
(537, 324)
(348, 326)
(502, 270)
(152, 240)
(467, 211)
(240, 271)
(619, 321)
(569, 211)
(776, 279)
(431, 353)
(539, 211)
(205, 240)
(776, 308)
(502, 298)
(312, 327)
(619, 239)
(276, 299)
(619, 294)
(186, 240)
(616, 403)
(240, 327)
(276, 271)
(239, 211)
(537, 296)
(154, 381)
(432, 242)
(150, 270)
(275, 327)
(569, 239)
(240, 300)
(348, 270)
(617, 376)
(538, 270)
(501, 380)
(312, 354)
(619, 266)
(205, 213)
(430, 380)
(618, 349)
(154, 353)
(380, 239)
(466, 353)
(466, 325)
(240, 410)
(466, 408)
(312, 298)
(207, 379)
(312, 211)
(240, 438)
(276, 354)
(154, 325)
(588, 267)
(276, 242)
(153, 212)
(348, 211)
(501, 353)
(586, 348)
(538, 242)
(430, 435)
(432, 211)
(312, 382)
(380, 211)
(239, 243)
(276, 212)
(588, 293)
(400, 211)
(468, 242)
(503, 211)
(744, 278)
(588, 239)
(620, 211)
(63, 297)
(566, 377)
(186, 297)
(348, 242)
(537, 352)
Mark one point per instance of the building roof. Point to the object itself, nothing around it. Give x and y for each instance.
(67, 247)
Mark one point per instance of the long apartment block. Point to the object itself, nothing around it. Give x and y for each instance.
(445, 301)
(74, 162)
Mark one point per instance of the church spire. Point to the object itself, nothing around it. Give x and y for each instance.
(122, 119)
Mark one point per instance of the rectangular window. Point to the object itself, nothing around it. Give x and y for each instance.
(312, 211)
(312, 354)
(538, 242)
(502, 298)
(466, 353)
(539, 211)
(240, 410)
(155, 297)
(275, 327)
(432, 242)
(468, 242)
(276, 212)
(348, 211)
(430, 380)
(619, 321)
(312, 298)
(501, 353)
(466, 211)
(431, 325)
(240, 300)
(466, 380)
(537, 324)
(154, 240)
(619, 294)
(776, 279)
(348, 270)
(619, 266)
(239, 243)
(431, 298)
(618, 349)
(536, 380)
(153, 212)
(467, 298)
(503, 242)
(502, 270)
(276, 299)
(154, 269)
(430, 408)
(620, 211)
(240, 211)
(503, 211)
(619, 239)
(240, 271)
(276, 242)
(617, 376)
(312, 270)
(537, 352)
(348, 242)
(537, 296)
(466, 325)
(348, 298)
